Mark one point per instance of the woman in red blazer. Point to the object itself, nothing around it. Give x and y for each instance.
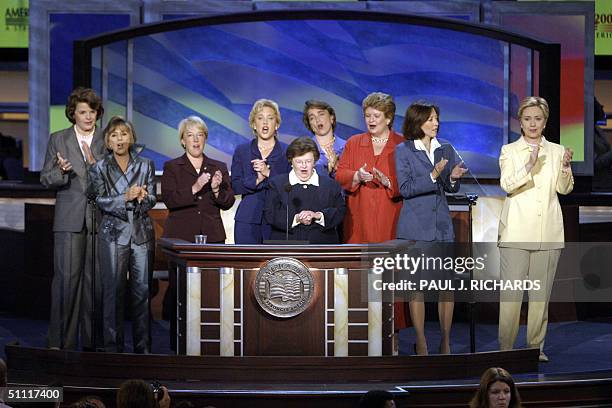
(195, 188)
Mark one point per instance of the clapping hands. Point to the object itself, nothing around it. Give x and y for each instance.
(458, 172)
(64, 165)
(381, 177)
(201, 181)
(567, 157)
(137, 193)
(363, 175)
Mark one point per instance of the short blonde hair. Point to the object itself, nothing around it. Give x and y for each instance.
(531, 101)
(117, 122)
(258, 106)
(191, 121)
(381, 102)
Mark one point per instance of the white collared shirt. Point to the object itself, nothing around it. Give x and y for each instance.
(313, 181)
(88, 138)
(433, 145)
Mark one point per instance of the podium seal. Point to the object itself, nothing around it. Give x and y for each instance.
(283, 287)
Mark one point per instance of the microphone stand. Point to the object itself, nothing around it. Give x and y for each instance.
(91, 200)
(288, 188)
(472, 198)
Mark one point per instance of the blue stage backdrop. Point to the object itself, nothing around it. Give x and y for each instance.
(217, 72)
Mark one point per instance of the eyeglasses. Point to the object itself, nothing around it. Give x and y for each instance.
(303, 162)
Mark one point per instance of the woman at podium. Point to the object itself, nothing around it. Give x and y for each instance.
(253, 164)
(301, 205)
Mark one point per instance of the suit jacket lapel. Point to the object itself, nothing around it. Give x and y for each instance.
(422, 156)
(97, 145)
(75, 156)
(187, 167)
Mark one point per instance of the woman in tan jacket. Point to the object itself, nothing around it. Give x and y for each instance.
(533, 171)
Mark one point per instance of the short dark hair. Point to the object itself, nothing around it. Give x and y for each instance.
(375, 399)
(315, 104)
(86, 95)
(301, 146)
(3, 373)
(135, 394)
(416, 115)
(114, 123)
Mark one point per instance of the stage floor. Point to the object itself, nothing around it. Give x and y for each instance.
(573, 347)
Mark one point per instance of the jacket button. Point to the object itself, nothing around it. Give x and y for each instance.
(199, 197)
(198, 213)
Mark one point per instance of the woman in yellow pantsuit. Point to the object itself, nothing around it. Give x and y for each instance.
(533, 171)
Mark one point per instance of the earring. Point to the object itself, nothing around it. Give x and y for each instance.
(182, 144)
(276, 128)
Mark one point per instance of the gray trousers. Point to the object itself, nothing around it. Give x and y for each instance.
(116, 262)
(71, 295)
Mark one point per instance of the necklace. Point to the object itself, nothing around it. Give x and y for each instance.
(380, 139)
(264, 148)
(328, 144)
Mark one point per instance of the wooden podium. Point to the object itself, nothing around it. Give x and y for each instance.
(217, 312)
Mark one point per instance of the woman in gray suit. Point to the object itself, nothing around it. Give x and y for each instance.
(426, 169)
(123, 183)
(69, 154)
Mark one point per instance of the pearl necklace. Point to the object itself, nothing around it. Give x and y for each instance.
(379, 139)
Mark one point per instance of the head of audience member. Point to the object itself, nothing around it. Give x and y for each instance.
(379, 113)
(119, 135)
(83, 108)
(265, 119)
(421, 120)
(89, 402)
(497, 390)
(3, 373)
(377, 399)
(319, 117)
(136, 394)
(193, 134)
(303, 154)
(533, 114)
(185, 404)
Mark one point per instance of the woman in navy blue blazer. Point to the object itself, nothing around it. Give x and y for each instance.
(303, 205)
(426, 169)
(253, 164)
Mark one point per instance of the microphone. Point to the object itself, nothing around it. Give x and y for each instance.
(471, 196)
(287, 189)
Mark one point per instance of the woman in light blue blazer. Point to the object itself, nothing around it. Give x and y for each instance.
(427, 168)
